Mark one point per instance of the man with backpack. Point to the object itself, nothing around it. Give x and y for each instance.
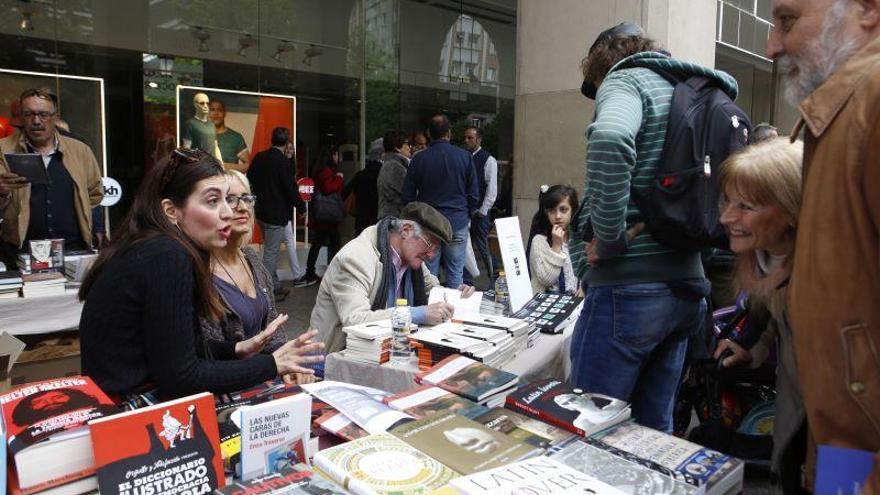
(645, 297)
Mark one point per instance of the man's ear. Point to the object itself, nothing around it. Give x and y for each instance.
(868, 14)
(172, 213)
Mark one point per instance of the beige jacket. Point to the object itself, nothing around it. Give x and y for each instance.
(82, 166)
(348, 288)
(835, 286)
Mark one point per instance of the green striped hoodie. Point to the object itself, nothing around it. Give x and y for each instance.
(624, 144)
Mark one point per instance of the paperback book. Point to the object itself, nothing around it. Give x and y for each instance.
(363, 405)
(382, 464)
(523, 428)
(427, 400)
(468, 378)
(538, 475)
(462, 444)
(275, 435)
(687, 461)
(168, 447)
(555, 402)
(550, 312)
(47, 430)
(295, 480)
(336, 423)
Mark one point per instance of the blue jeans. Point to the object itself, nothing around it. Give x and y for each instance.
(480, 236)
(452, 255)
(272, 237)
(630, 343)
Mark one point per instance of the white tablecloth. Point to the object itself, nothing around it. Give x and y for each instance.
(23, 316)
(549, 358)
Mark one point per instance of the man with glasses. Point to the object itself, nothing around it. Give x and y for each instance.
(384, 263)
(273, 180)
(61, 209)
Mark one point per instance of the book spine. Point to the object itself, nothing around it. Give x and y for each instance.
(511, 403)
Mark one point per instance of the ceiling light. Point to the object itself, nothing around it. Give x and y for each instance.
(203, 37)
(25, 23)
(282, 48)
(244, 43)
(311, 52)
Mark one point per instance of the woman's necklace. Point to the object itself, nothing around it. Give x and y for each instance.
(230, 275)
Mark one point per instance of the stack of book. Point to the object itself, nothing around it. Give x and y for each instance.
(77, 264)
(551, 312)
(43, 284)
(48, 435)
(10, 283)
(368, 342)
(522, 332)
(436, 344)
(555, 402)
(472, 380)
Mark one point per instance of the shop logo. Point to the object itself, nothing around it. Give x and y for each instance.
(112, 191)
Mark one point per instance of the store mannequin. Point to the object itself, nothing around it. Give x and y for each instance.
(198, 131)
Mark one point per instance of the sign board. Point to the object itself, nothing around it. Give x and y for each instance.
(513, 255)
(306, 188)
(112, 191)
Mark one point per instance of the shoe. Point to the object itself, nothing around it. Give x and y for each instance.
(305, 281)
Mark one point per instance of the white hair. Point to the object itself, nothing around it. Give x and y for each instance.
(822, 57)
(398, 223)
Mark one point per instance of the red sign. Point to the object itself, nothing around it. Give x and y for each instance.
(306, 188)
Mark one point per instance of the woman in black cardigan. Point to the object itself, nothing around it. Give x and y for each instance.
(139, 332)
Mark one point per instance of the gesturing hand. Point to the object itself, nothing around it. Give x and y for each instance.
(300, 351)
(255, 344)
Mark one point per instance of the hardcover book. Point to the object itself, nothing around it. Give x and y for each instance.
(427, 400)
(631, 477)
(550, 312)
(462, 444)
(539, 475)
(168, 447)
(382, 464)
(523, 428)
(46, 429)
(555, 402)
(465, 377)
(274, 435)
(687, 461)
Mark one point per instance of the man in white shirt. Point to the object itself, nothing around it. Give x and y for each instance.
(487, 172)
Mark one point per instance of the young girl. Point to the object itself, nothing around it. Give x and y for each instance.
(549, 262)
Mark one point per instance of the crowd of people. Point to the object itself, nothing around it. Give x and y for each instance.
(179, 302)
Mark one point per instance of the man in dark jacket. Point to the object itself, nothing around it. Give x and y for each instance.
(273, 180)
(444, 177)
(363, 186)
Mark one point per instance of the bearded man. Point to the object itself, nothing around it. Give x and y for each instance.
(829, 54)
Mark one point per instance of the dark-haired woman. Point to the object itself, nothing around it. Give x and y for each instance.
(140, 332)
(549, 262)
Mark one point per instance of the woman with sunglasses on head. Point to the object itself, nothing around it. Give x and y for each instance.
(244, 285)
(140, 333)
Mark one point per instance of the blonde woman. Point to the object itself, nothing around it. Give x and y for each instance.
(245, 286)
(761, 188)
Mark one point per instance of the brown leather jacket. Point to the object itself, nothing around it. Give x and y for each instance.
(82, 166)
(835, 287)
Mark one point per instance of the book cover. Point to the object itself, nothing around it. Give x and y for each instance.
(523, 428)
(557, 403)
(549, 311)
(382, 464)
(631, 477)
(289, 481)
(538, 475)
(36, 411)
(274, 435)
(427, 400)
(363, 405)
(172, 446)
(465, 377)
(339, 425)
(462, 444)
(842, 471)
(690, 462)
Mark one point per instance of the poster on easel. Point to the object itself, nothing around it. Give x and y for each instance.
(232, 125)
(513, 254)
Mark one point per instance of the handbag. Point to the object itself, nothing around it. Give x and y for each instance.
(351, 204)
(327, 208)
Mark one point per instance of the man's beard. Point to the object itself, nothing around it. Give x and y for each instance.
(822, 57)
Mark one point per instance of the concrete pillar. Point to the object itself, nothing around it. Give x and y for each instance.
(551, 115)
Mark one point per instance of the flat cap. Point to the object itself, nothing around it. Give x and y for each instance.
(430, 219)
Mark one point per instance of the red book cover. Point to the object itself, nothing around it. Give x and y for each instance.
(36, 411)
(172, 447)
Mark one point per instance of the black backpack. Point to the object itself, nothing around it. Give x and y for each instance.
(705, 126)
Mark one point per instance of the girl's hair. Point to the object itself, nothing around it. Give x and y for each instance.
(240, 177)
(547, 200)
(766, 174)
(175, 179)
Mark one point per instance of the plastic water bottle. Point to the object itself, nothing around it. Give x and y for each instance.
(400, 328)
(502, 296)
